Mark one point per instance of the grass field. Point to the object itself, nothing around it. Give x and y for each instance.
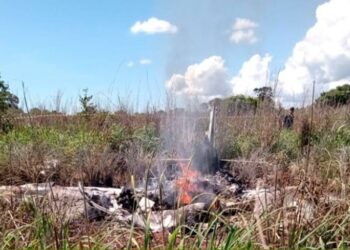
(107, 149)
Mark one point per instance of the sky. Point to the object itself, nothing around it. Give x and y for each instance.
(140, 52)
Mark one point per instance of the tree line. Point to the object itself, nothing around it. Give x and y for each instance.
(239, 103)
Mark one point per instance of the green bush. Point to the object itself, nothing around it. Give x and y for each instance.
(67, 141)
(343, 136)
(336, 97)
(288, 143)
(328, 141)
(332, 139)
(240, 146)
(148, 138)
(121, 137)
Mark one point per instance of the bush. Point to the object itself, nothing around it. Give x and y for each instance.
(331, 140)
(148, 138)
(287, 143)
(121, 137)
(336, 97)
(239, 104)
(64, 142)
(240, 146)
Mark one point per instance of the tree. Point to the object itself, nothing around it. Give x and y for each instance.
(335, 97)
(7, 99)
(38, 111)
(239, 104)
(87, 106)
(264, 94)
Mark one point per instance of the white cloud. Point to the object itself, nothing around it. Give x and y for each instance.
(254, 73)
(243, 24)
(206, 80)
(210, 78)
(243, 31)
(323, 54)
(130, 64)
(145, 61)
(152, 26)
(244, 36)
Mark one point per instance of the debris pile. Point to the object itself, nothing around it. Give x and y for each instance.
(163, 207)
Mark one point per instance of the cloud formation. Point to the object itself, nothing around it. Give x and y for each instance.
(130, 64)
(323, 54)
(204, 81)
(254, 73)
(153, 26)
(210, 78)
(243, 31)
(145, 61)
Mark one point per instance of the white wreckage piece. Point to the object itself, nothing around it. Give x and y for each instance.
(98, 202)
(144, 217)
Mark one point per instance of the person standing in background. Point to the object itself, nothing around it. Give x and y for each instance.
(289, 119)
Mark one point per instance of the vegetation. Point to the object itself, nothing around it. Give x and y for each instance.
(239, 104)
(336, 97)
(7, 99)
(106, 148)
(8, 102)
(288, 144)
(86, 103)
(265, 94)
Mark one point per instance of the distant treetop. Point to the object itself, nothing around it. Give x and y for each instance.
(264, 94)
(336, 97)
(7, 99)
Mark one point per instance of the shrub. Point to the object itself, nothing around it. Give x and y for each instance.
(8, 103)
(148, 138)
(25, 152)
(120, 137)
(336, 97)
(288, 143)
(240, 146)
(239, 104)
(328, 142)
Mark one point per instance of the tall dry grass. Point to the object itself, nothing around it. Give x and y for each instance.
(106, 149)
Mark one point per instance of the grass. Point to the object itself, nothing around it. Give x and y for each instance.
(106, 149)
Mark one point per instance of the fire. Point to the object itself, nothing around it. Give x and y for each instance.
(186, 184)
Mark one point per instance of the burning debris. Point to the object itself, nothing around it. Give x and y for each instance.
(187, 184)
(186, 198)
(182, 192)
(146, 209)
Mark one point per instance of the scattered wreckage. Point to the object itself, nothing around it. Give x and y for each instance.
(184, 193)
(160, 208)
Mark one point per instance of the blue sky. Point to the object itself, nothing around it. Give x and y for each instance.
(71, 45)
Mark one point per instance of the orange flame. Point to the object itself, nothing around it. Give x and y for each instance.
(186, 184)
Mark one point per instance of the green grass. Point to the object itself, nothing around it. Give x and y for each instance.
(287, 143)
(121, 137)
(66, 141)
